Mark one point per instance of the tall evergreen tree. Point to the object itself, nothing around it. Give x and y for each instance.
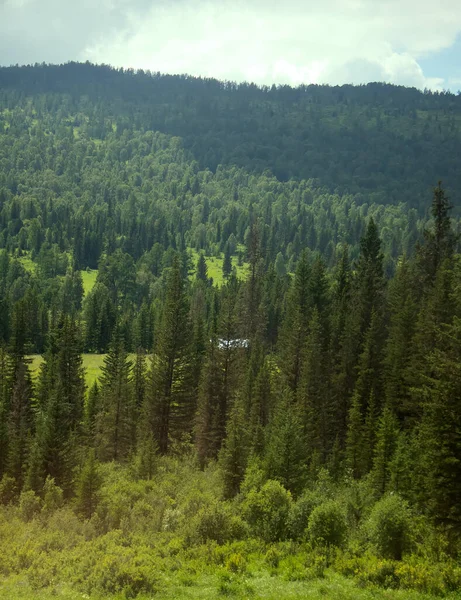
(296, 325)
(171, 395)
(116, 417)
(439, 243)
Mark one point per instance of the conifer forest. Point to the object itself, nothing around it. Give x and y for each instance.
(230, 338)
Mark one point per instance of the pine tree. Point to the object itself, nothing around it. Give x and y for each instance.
(344, 347)
(354, 440)
(386, 440)
(370, 281)
(398, 349)
(59, 406)
(234, 453)
(227, 262)
(116, 417)
(202, 269)
(139, 378)
(18, 421)
(296, 325)
(285, 451)
(208, 420)
(90, 412)
(314, 394)
(261, 407)
(171, 395)
(87, 487)
(440, 431)
(439, 243)
(4, 402)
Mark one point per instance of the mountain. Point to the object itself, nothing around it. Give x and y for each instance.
(383, 143)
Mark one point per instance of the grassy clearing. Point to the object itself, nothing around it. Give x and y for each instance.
(214, 265)
(185, 584)
(92, 364)
(89, 279)
(28, 264)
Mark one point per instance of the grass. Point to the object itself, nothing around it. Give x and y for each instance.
(89, 279)
(214, 265)
(92, 364)
(258, 586)
(88, 276)
(28, 264)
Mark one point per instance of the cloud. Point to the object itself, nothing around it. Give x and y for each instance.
(297, 41)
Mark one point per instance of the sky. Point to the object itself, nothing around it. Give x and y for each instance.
(407, 42)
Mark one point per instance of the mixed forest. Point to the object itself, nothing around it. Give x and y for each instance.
(230, 338)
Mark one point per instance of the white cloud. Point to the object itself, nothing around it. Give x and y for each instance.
(334, 41)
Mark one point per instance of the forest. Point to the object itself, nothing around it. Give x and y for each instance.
(230, 338)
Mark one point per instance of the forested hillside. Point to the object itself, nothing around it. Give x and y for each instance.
(247, 305)
(387, 144)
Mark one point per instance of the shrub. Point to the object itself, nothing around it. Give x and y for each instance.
(8, 490)
(267, 511)
(327, 525)
(236, 563)
(52, 495)
(388, 527)
(300, 512)
(216, 522)
(29, 505)
(272, 557)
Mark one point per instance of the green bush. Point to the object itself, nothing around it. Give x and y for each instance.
(216, 522)
(267, 511)
(52, 495)
(300, 512)
(327, 525)
(8, 490)
(388, 527)
(29, 505)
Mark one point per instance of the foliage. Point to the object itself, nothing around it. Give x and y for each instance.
(327, 525)
(389, 527)
(267, 510)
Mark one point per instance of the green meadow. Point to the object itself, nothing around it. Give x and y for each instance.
(89, 279)
(214, 265)
(92, 364)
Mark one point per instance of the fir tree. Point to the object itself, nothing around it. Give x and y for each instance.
(116, 417)
(439, 243)
(171, 394)
(296, 325)
(227, 262)
(234, 453)
(285, 450)
(87, 487)
(386, 440)
(202, 269)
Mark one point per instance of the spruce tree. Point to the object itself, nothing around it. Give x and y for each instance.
(386, 440)
(202, 269)
(439, 242)
(227, 262)
(87, 487)
(314, 393)
(369, 283)
(171, 394)
(234, 453)
(285, 455)
(440, 430)
(398, 348)
(296, 325)
(117, 413)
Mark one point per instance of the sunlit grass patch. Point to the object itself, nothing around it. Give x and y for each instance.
(214, 265)
(89, 279)
(92, 364)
